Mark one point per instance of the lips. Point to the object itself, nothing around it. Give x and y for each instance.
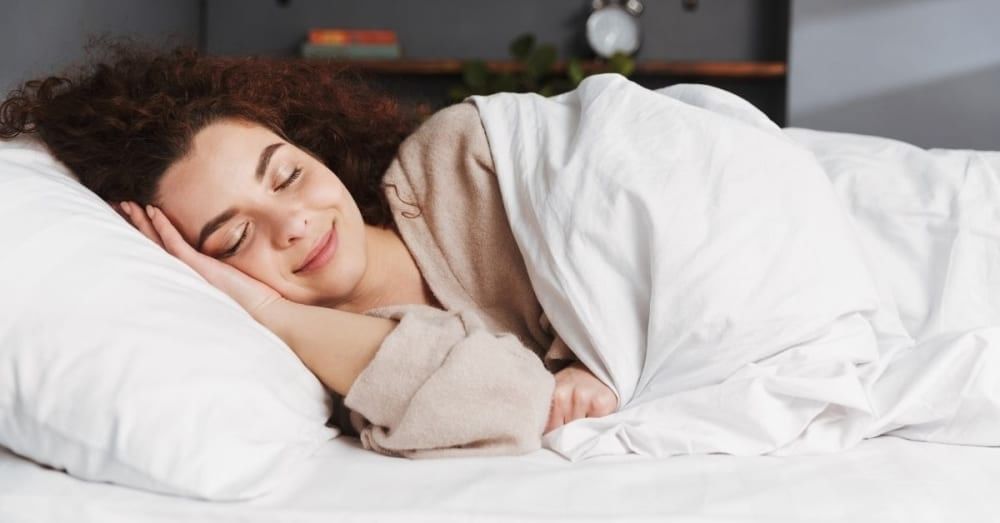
(320, 253)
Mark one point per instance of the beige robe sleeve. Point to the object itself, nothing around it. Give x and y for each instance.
(442, 385)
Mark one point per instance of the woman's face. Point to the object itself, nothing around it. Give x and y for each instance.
(251, 199)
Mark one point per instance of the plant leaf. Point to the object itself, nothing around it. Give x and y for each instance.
(574, 70)
(560, 85)
(458, 93)
(541, 61)
(521, 47)
(475, 74)
(505, 83)
(622, 64)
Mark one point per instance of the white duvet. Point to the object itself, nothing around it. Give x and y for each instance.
(748, 290)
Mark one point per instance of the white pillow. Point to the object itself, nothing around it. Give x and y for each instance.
(119, 363)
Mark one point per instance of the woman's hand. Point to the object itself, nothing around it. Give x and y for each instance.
(250, 293)
(579, 394)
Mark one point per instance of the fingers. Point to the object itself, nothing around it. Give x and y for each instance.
(581, 405)
(603, 405)
(556, 411)
(171, 238)
(153, 224)
(165, 230)
(568, 403)
(579, 394)
(138, 218)
(121, 212)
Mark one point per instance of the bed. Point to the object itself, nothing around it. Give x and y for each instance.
(882, 480)
(152, 431)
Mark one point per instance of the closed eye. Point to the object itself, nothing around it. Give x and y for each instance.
(232, 251)
(246, 229)
(291, 178)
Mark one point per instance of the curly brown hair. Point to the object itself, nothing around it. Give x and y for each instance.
(120, 121)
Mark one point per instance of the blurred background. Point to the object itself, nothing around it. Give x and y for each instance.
(923, 71)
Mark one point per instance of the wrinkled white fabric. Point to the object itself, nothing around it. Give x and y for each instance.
(929, 222)
(701, 263)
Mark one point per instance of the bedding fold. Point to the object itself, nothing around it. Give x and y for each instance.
(701, 262)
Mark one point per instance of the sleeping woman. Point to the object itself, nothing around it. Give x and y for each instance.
(374, 245)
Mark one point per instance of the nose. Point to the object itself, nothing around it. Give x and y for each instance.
(291, 228)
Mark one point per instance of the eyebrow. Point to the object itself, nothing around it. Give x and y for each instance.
(214, 224)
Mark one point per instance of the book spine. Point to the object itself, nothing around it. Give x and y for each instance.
(352, 36)
(357, 52)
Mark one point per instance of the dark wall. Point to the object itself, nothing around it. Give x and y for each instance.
(40, 37)
(465, 29)
(717, 29)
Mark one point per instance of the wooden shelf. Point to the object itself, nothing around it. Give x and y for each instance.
(718, 69)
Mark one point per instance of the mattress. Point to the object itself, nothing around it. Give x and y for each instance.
(884, 479)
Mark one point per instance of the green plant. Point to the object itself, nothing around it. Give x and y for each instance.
(536, 71)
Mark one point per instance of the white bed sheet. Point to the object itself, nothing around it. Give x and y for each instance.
(885, 479)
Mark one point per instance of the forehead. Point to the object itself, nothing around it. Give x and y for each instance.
(215, 174)
(222, 142)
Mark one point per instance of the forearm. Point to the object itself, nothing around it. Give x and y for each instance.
(335, 345)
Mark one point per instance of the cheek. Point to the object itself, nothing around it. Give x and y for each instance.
(325, 190)
(262, 266)
(258, 266)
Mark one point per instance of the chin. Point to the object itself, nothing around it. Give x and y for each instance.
(334, 293)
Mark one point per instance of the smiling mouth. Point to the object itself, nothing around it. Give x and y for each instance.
(321, 252)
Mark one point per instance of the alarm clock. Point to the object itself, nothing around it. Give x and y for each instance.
(613, 27)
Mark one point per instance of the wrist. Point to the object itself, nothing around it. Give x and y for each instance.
(274, 315)
(335, 345)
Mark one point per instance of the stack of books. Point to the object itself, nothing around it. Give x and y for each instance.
(357, 44)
